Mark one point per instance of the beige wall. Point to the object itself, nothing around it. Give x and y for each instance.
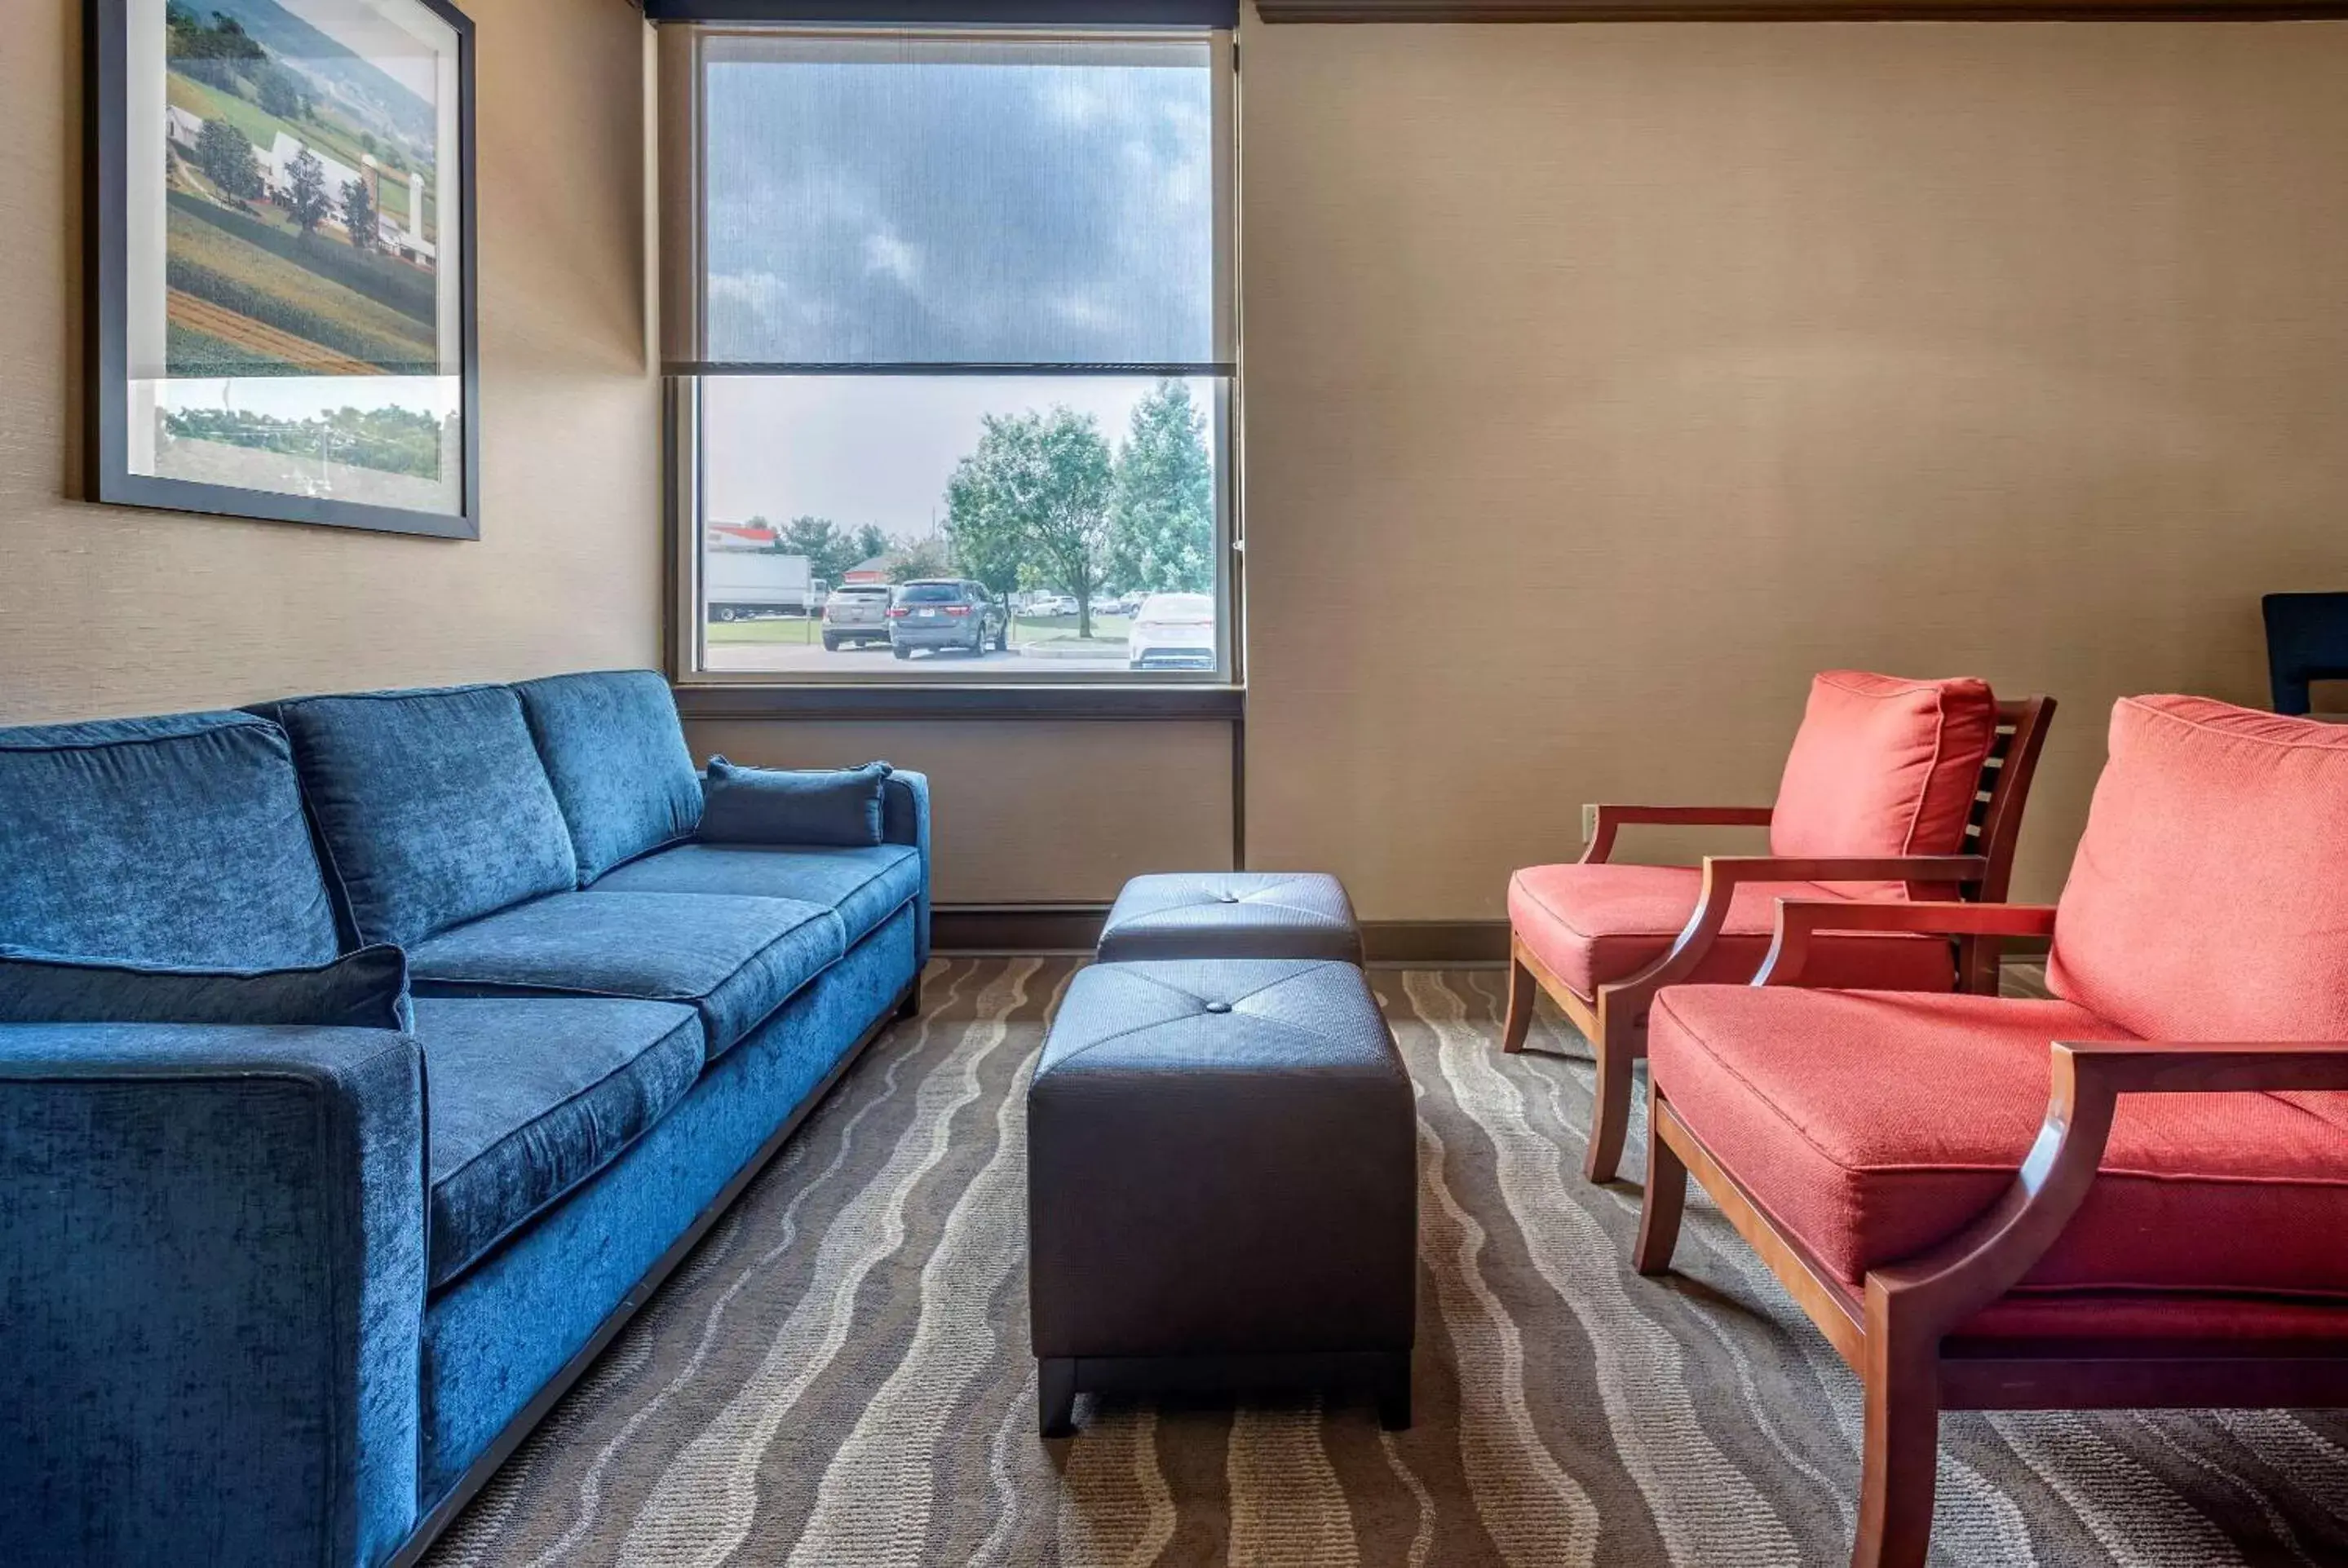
(1605, 382)
(1029, 812)
(1602, 382)
(106, 610)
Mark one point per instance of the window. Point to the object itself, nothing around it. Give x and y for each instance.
(949, 335)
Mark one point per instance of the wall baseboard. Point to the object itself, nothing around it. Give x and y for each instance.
(979, 929)
(971, 930)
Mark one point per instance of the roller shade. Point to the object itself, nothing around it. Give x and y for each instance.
(868, 202)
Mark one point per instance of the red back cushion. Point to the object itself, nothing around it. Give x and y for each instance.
(2209, 899)
(1883, 767)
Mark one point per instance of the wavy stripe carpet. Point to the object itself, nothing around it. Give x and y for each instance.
(839, 1375)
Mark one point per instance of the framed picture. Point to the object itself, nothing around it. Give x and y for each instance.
(282, 320)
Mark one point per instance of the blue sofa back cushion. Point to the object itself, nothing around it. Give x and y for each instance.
(821, 808)
(365, 989)
(433, 807)
(616, 754)
(176, 840)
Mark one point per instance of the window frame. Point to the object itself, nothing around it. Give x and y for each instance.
(916, 692)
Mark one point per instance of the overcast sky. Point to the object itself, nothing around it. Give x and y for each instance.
(888, 202)
(872, 449)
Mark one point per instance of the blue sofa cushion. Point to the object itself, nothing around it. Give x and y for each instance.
(433, 805)
(616, 754)
(834, 807)
(864, 886)
(365, 989)
(735, 959)
(526, 1098)
(177, 840)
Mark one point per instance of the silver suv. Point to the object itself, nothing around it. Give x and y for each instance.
(856, 612)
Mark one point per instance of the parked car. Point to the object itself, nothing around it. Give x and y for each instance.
(946, 612)
(1051, 604)
(1172, 631)
(856, 612)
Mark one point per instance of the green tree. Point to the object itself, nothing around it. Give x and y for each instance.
(225, 155)
(305, 197)
(358, 214)
(279, 94)
(831, 550)
(1162, 511)
(922, 558)
(1036, 491)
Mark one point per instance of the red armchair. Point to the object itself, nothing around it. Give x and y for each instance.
(2130, 1195)
(1892, 787)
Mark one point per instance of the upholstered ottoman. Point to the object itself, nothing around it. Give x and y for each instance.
(1222, 1187)
(1231, 915)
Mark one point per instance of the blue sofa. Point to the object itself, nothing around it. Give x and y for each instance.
(288, 1293)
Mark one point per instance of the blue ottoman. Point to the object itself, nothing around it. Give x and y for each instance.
(1231, 915)
(1222, 1185)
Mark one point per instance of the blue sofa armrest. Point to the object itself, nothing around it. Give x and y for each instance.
(905, 819)
(213, 1277)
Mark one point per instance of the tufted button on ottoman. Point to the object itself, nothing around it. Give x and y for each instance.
(1222, 1185)
(1232, 914)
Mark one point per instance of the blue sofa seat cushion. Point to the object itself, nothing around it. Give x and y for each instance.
(525, 1099)
(864, 886)
(176, 840)
(616, 754)
(433, 805)
(734, 959)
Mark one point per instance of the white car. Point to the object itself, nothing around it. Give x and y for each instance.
(1172, 631)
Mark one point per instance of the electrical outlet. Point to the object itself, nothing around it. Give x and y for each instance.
(1589, 823)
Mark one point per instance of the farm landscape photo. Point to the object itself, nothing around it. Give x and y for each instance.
(304, 315)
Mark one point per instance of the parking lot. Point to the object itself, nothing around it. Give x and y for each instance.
(1039, 644)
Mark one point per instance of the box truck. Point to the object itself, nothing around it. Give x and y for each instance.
(737, 585)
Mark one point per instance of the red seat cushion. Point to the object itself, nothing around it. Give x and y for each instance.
(1872, 1126)
(1884, 766)
(2209, 899)
(1597, 925)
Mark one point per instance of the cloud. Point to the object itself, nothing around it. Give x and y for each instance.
(927, 212)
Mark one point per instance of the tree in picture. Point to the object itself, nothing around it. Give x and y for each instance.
(358, 214)
(225, 155)
(305, 195)
(1162, 512)
(1036, 490)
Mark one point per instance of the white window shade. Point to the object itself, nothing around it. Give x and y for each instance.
(933, 203)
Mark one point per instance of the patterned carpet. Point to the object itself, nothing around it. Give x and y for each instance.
(839, 1375)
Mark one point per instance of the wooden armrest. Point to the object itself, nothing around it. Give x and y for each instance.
(1800, 919)
(1613, 817)
(1722, 873)
(1956, 1279)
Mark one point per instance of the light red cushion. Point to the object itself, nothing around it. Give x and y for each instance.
(1596, 924)
(1883, 767)
(1873, 1126)
(2209, 898)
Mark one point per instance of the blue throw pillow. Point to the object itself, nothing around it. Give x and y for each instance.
(835, 808)
(365, 989)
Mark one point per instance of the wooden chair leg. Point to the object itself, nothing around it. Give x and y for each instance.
(1902, 1453)
(1610, 1118)
(1055, 1396)
(1666, 1200)
(1521, 1007)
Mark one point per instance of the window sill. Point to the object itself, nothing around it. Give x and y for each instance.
(735, 699)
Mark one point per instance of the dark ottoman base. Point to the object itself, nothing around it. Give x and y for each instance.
(1231, 915)
(1222, 1185)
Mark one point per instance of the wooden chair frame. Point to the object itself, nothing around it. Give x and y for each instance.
(1901, 1333)
(1616, 1019)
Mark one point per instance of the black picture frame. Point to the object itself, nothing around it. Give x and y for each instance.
(109, 479)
